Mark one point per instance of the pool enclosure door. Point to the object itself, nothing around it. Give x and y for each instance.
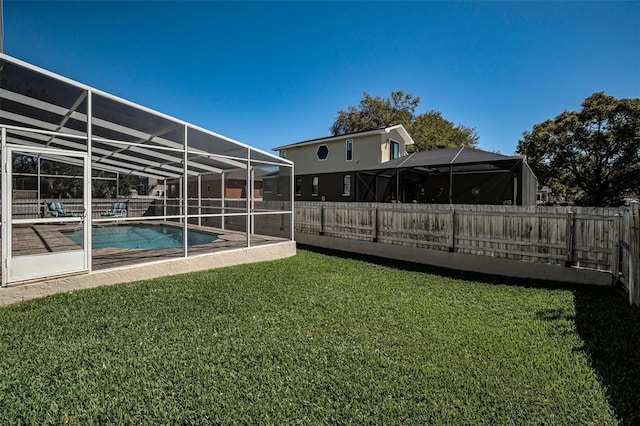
(35, 184)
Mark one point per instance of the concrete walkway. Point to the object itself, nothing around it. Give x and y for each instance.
(22, 292)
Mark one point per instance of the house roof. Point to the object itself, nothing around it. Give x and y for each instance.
(444, 157)
(398, 127)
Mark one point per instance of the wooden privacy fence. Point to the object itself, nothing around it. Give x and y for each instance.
(629, 249)
(581, 237)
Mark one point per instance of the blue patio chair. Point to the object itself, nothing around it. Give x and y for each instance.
(56, 209)
(118, 209)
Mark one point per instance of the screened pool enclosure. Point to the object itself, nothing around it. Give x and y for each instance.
(79, 164)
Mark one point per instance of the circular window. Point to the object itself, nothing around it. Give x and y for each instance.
(322, 152)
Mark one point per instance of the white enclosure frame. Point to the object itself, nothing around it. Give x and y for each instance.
(26, 267)
(84, 134)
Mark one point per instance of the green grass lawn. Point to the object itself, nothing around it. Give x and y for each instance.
(322, 339)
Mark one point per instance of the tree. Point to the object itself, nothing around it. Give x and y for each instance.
(372, 113)
(432, 131)
(591, 156)
(64, 180)
(429, 130)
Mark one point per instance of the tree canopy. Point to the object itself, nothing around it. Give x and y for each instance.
(591, 156)
(63, 180)
(429, 130)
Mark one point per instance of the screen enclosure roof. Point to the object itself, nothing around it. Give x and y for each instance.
(43, 110)
(448, 159)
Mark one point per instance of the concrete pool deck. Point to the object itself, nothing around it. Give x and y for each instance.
(114, 266)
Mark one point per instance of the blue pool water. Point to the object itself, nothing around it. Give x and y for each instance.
(143, 237)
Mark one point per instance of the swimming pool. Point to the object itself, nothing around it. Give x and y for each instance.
(141, 237)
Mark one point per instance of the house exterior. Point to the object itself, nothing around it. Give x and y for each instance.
(325, 168)
(373, 166)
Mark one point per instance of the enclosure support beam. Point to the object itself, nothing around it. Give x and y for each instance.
(222, 200)
(6, 212)
(292, 204)
(39, 187)
(185, 188)
(253, 200)
(88, 195)
(450, 184)
(199, 200)
(248, 192)
(164, 202)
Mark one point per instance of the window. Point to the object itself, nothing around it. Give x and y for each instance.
(346, 185)
(322, 152)
(394, 150)
(283, 153)
(314, 185)
(208, 188)
(350, 150)
(299, 186)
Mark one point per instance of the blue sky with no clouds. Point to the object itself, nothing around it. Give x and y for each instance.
(274, 73)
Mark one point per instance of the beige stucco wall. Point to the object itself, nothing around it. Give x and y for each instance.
(368, 151)
(386, 145)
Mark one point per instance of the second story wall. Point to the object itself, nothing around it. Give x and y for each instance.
(345, 154)
(331, 156)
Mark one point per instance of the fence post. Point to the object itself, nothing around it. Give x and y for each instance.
(615, 247)
(569, 238)
(375, 224)
(321, 232)
(634, 254)
(452, 239)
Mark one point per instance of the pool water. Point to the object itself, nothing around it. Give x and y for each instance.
(142, 237)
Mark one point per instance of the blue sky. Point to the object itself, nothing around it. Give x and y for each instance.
(274, 73)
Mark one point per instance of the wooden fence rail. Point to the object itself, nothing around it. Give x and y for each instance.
(603, 239)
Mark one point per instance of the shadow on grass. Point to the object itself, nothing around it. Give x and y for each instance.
(610, 329)
(608, 326)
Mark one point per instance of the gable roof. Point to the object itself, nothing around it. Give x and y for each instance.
(444, 157)
(381, 130)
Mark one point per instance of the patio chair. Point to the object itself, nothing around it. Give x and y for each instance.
(56, 209)
(118, 209)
